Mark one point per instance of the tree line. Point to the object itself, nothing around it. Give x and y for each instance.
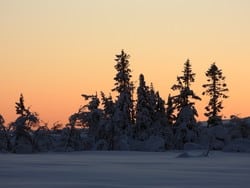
(117, 124)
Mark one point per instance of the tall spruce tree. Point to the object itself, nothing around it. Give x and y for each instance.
(186, 111)
(124, 86)
(215, 89)
(143, 110)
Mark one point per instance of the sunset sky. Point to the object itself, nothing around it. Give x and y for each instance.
(52, 51)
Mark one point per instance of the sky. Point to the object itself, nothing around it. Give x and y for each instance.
(53, 51)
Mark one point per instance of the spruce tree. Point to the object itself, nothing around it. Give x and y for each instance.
(124, 86)
(93, 114)
(143, 110)
(152, 102)
(108, 105)
(20, 107)
(186, 111)
(109, 124)
(26, 117)
(5, 144)
(215, 89)
(23, 124)
(160, 112)
(171, 117)
(88, 116)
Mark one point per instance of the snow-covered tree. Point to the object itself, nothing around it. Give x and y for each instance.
(152, 102)
(185, 129)
(23, 126)
(94, 114)
(182, 102)
(108, 124)
(215, 89)
(5, 144)
(42, 139)
(160, 107)
(108, 105)
(124, 86)
(88, 116)
(123, 116)
(156, 107)
(143, 110)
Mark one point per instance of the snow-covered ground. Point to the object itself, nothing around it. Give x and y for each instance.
(125, 170)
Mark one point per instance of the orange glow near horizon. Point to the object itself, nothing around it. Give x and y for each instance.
(53, 51)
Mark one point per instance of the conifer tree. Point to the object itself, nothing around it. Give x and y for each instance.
(109, 124)
(143, 110)
(152, 102)
(156, 105)
(20, 107)
(26, 117)
(215, 89)
(186, 111)
(170, 111)
(159, 107)
(23, 124)
(108, 105)
(93, 114)
(4, 136)
(124, 86)
(2, 121)
(88, 116)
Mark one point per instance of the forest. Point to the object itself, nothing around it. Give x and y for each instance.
(137, 119)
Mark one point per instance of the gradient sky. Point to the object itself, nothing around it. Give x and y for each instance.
(52, 51)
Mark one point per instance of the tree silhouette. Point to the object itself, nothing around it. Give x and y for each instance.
(109, 126)
(171, 117)
(124, 86)
(183, 86)
(108, 105)
(4, 136)
(183, 104)
(215, 89)
(20, 107)
(23, 124)
(88, 116)
(144, 110)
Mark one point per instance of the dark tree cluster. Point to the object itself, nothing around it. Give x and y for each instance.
(136, 119)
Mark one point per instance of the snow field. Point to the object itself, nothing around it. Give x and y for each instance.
(121, 169)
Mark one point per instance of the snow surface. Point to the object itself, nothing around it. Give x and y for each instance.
(124, 169)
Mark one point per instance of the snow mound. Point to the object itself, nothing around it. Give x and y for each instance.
(192, 146)
(121, 143)
(184, 155)
(219, 132)
(238, 145)
(193, 155)
(154, 143)
(101, 145)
